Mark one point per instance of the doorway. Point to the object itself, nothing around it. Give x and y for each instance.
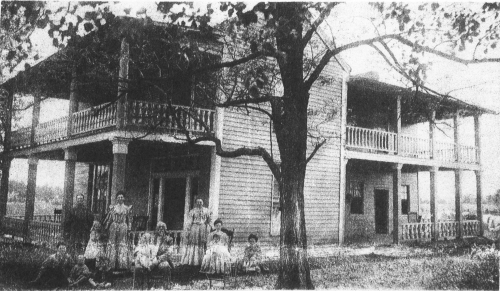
(170, 200)
(381, 211)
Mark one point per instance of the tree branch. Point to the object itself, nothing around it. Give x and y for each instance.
(316, 148)
(330, 53)
(314, 26)
(258, 151)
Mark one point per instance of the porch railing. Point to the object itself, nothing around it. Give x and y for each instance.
(369, 139)
(383, 142)
(45, 233)
(42, 218)
(445, 229)
(104, 116)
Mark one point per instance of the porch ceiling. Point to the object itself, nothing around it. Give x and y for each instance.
(370, 94)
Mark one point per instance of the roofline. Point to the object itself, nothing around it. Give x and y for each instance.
(451, 98)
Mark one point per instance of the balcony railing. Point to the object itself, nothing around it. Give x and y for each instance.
(383, 142)
(445, 229)
(103, 117)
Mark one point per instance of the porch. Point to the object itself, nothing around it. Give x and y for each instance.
(379, 142)
(138, 116)
(449, 229)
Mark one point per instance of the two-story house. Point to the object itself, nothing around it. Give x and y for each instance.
(361, 184)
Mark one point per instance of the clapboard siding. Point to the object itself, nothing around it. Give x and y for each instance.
(246, 182)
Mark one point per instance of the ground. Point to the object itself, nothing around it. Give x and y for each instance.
(468, 264)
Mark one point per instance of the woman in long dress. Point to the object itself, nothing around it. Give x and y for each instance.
(197, 235)
(117, 223)
(217, 258)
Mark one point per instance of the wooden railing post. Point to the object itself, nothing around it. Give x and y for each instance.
(456, 137)
(396, 185)
(433, 193)
(122, 85)
(398, 124)
(432, 134)
(30, 197)
(35, 119)
(73, 101)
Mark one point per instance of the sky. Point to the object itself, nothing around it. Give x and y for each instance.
(477, 84)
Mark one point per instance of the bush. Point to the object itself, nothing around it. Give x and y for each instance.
(479, 271)
(20, 262)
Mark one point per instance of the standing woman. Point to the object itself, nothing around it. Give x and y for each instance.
(118, 223)
(199, 219)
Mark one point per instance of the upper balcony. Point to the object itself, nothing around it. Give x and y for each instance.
(398, 125)
(140, 116)
(364, 140)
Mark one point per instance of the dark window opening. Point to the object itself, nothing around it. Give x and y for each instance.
(355, 191)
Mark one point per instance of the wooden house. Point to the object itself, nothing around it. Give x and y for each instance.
(361, 183)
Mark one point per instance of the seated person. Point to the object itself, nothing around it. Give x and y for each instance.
(55, 270)
(95, 246)
(145, 252)
(217, 257)
(81, 275)
(252, 256)
(163, 242)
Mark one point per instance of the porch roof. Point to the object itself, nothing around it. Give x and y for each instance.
(97, 55)
(415, 105)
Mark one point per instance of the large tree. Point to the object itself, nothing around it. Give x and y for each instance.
(291, 43)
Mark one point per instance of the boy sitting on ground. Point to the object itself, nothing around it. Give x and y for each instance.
(80, 275)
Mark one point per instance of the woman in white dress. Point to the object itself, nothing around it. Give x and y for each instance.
(199, 220)
(118, 223)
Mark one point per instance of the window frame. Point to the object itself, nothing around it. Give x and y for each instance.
(356, 200)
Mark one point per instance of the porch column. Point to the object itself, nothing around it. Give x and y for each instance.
(398, 122)
(120, 150)
(433, 184)
(35, 118)
(479, 185)
(396, 185)
(458, 175)
(69, 184)
(73, 101)
(6, 160)
(122, 85)
(432, 133)
(30, 196)
(215, 166)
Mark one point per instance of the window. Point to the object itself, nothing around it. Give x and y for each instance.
(355, 191)
(405, 199)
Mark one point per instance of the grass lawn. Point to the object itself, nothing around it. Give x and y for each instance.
(446, 265)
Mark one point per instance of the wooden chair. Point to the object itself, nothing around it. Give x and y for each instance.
(230, 268)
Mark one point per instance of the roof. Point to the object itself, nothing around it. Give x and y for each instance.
(446, 106)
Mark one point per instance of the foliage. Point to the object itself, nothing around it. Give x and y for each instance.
(45, 193)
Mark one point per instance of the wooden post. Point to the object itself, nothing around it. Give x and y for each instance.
(122, 85)
(396, 185)
(35, 118)
(456, 137)
(6, 160)
(69, 185)
(120, 150)
(161, 200)
(73, 101)
(432, 134)
(479, 188)
(215, 166)
(433, 184)
(398, 123)
(343, 160)
(458, 202)
(30, 197)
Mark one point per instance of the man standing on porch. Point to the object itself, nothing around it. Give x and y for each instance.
(199, 221)
(77, 226)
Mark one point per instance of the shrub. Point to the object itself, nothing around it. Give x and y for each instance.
(20, 261)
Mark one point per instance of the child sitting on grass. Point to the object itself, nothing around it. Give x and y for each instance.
(80, 275)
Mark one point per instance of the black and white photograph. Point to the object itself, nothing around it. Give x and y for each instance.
(150, 145)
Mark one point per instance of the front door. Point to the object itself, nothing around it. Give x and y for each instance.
(381, 211)
(174, 201)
